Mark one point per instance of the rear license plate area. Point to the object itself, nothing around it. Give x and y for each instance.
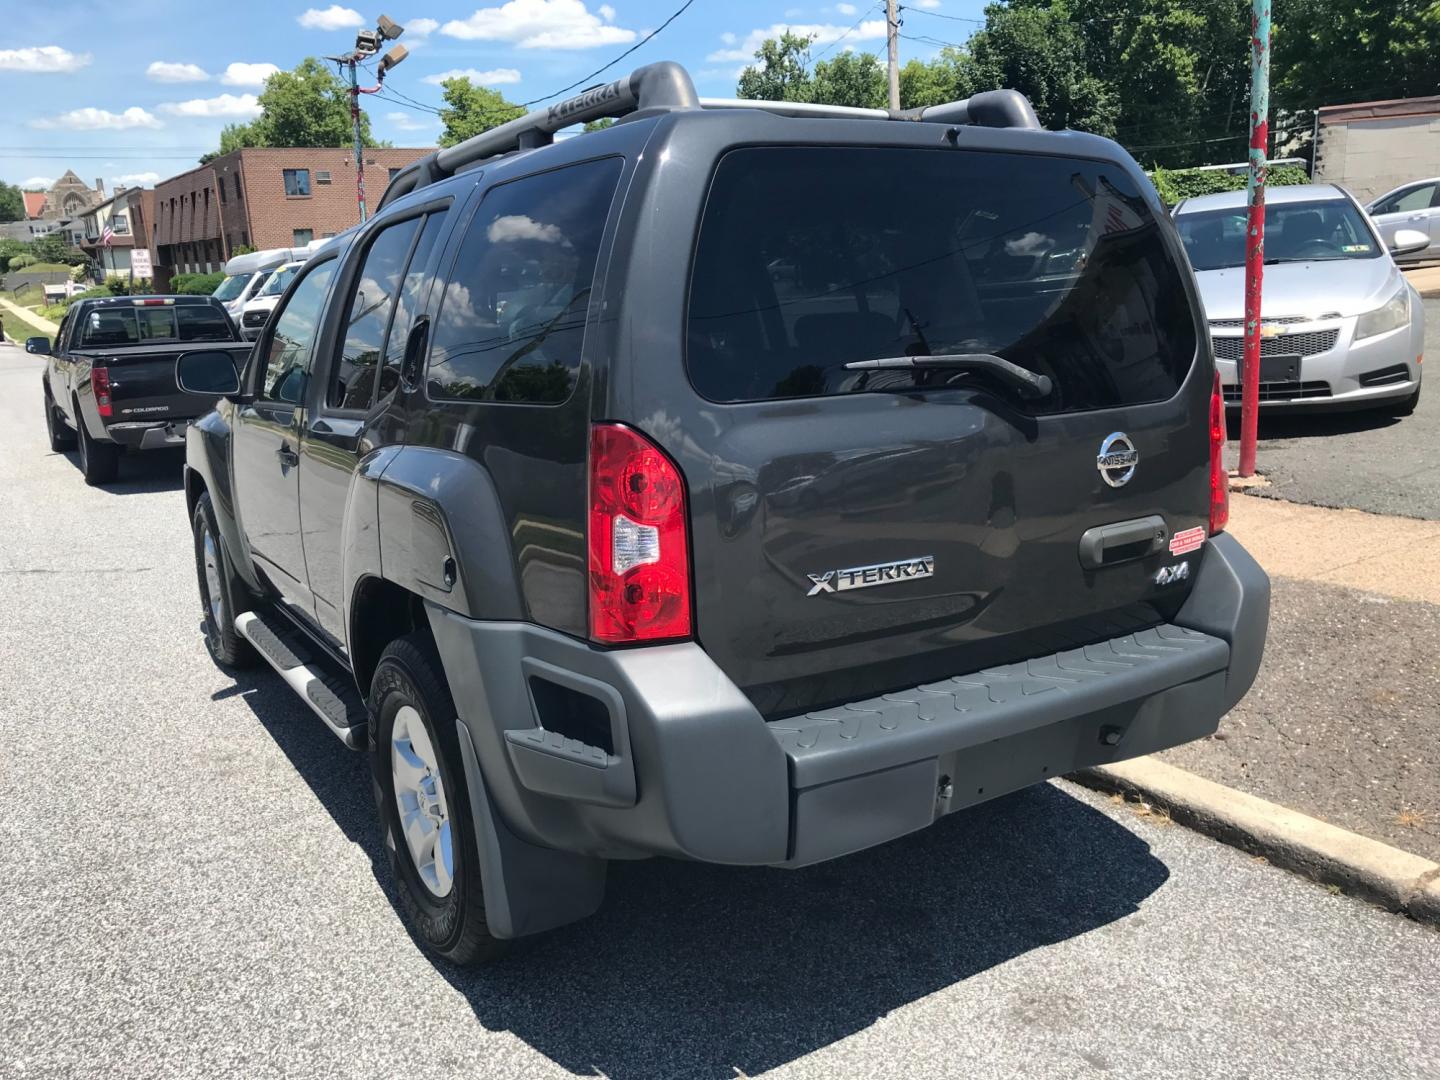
(1279, 369)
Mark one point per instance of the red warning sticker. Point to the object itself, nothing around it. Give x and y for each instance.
(1182, 543)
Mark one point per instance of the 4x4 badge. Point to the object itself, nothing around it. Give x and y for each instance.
(1117, 459)
(864, 577)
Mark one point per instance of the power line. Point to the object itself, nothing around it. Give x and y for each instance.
(865, 15)
(580, 82)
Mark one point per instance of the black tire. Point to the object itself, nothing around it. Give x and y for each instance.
(1408, 406)
(61, 437)
(226, 646)
(452, 926)
(99, 461)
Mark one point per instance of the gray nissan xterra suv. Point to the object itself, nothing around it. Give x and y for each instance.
(746, 482)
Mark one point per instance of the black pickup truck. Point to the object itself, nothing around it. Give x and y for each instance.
(110, 381)
(663, 491)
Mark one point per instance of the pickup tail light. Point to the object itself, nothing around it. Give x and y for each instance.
(100, 386)
(1219, 479)
(639, 544)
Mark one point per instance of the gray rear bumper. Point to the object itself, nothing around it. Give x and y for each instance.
(695, 772)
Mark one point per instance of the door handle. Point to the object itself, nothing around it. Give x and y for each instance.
(287, 456)
(1124, 541)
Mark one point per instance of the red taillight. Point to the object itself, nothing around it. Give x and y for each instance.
(100, 385)
(1219, 479)
(639, 547)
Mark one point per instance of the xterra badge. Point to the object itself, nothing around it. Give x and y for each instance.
(863, 577)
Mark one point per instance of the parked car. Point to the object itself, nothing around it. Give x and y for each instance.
(257, 310)
(246, 275)
(1341, 327)
(662, 491)
(109, 382)
(1414, 207)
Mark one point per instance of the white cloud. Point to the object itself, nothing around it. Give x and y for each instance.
(539, 24)
(847, 9)
(243, 106)
(405, 122)
(728, 38)
(421, 27)
(821, 34)
(927, 3)
(523, 227)
(606, 12)
(240, 74)
(46, 182)
(334, 17)
(496, 77)
(165, 71)
(136, 179)
(42, 58)
(90, 119)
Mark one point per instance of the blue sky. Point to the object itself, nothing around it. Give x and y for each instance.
(135, 91)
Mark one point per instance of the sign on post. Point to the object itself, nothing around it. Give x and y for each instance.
(140, 266)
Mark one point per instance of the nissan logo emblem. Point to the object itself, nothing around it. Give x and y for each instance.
(1117, 459)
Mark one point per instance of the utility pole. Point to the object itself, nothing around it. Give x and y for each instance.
(367, 44)
(892, 34)
(1255, 230)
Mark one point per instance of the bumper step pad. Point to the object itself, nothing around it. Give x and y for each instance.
(968, 710)
(330, 695)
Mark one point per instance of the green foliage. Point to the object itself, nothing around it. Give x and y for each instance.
(601, 124)
(90, 294)
(782, 73)
(241, 249)
(1176, 184)
(850, 79)
(195, 284)
(54, 249)
(307, 106)
(20, 262)
(12, 203)
(80, 271)
(470, 110)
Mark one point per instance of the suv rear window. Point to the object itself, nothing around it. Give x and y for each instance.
(119, 324)
(811, 258)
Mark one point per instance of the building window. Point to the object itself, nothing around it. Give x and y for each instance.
(297, 182)
(322, 176)
(220, 187)
(238, 193)
(301, 237)
(120, 224)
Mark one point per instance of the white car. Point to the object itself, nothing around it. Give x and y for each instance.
(257, 310)
(1415, 206)
(1340, 327)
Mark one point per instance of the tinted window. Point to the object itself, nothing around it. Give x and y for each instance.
(372, 299)
(810, 259)
(1408, 201)
(513, 316)
(125, 325)
(293, 338)
(1294, 232)
(412, 298)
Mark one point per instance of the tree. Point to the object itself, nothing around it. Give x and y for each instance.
(856, 79)
(947, 77)
(601, 124)
(783, 73)
(12, 203)
(470, 110)
(52, 248)
(307, 106)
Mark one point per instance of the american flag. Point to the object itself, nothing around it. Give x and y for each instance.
(107, 236)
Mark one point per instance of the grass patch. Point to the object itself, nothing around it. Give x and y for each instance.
(16, 328)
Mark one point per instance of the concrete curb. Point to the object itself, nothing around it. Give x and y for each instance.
(1379, 873)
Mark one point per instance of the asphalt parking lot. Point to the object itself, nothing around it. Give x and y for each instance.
(1361, 460)
(192, 885)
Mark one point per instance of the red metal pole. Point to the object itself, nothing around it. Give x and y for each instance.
(1255, 229)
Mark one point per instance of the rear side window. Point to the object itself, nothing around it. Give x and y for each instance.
(812, 258)
(119, 324)
(512, 319)
(372, 299)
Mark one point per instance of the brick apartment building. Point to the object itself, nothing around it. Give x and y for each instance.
(263, 198)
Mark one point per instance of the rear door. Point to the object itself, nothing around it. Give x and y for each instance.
(1410, 207)
(859, 530)
(266, 436)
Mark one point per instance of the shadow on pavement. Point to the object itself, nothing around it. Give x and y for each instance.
(1307, 424)
(141, 472)
(691, 970)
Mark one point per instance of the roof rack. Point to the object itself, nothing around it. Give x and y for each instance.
(667, 86)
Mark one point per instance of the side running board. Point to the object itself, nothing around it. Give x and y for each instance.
(332, 697)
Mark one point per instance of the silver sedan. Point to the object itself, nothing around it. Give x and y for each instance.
(1341, 327)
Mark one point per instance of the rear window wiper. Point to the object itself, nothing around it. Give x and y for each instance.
(1029, 385)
